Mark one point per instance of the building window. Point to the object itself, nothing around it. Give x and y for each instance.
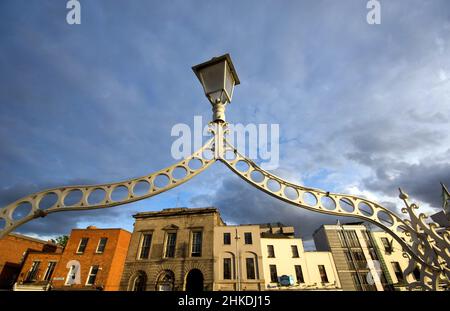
(139, 283)
(349, 260)
(165, 281)
(50, 268)
(170, 244)
(248, 238)
(196, 244)
(82, 245)
(367, 238)
(273, 274)
(32, 274)
(323, 274)
(250, 266)
(92, 275)
(356, 281)
(360, 259)
(397, 270)
(226, 238)
(373, 254)
(294, 250)
(146, 242)
(101, 245)
(352, 238)
(270, 251)
(387, 245)
(227, 268)
(299, 274)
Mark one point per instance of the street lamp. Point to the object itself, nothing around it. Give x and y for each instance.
(430, 244)
(218, 78)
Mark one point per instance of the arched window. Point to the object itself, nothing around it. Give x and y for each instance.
(228, 266)
(138, 282)
(251, 266)
(165, 281)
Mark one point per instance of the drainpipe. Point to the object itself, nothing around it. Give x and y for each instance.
(238, 258)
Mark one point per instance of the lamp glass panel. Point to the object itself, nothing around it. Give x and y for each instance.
(212, 77)
(218, 95)
(229, 82)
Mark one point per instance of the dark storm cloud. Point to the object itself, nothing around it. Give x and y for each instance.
(61, 222)
(421, 181)
(357, 104)
(240, 203)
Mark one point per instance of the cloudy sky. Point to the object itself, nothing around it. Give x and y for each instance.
(362, 108)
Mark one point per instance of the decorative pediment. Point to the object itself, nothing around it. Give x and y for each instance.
(171, 227)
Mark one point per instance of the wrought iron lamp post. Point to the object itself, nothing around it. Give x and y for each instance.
(428, 247)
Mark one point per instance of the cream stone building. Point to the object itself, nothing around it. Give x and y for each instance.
(287, 266)
(171, 250)
(391, 258)
(237, 258)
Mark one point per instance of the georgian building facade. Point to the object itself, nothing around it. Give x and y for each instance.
(14, 251)
(287, 266)
(237, 258)
(93, 259)
(172, 250)
(392, 261)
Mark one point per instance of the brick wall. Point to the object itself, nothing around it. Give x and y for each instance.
(13, 250)
(111, 261)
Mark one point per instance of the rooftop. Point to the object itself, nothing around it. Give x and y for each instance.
(25, 237)
(177, 211)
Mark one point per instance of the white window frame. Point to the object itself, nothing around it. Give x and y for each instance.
(192, 243)
(89, 275)
(33, 267)
(167, 243)
(141, 244)
(79, 244)
(48, 267)
(98, 245)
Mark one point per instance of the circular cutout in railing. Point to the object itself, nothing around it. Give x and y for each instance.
(73, 197)
(96, 196)
(208, 154)
(309, 199)
(229, 155)
(273, 185)
(119, 193)
(242, 166)
(291, 193)
(22, 210)
(256, 176)
(365, 209)
(179, 172)
(141, 187)
(328, 203)
(161, 181)
(385, 218)
(48, 200)
(346, 205)
(2, 223)
(195, 164)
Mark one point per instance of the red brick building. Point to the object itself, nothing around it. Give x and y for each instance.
(93, 259)
(14, 249)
